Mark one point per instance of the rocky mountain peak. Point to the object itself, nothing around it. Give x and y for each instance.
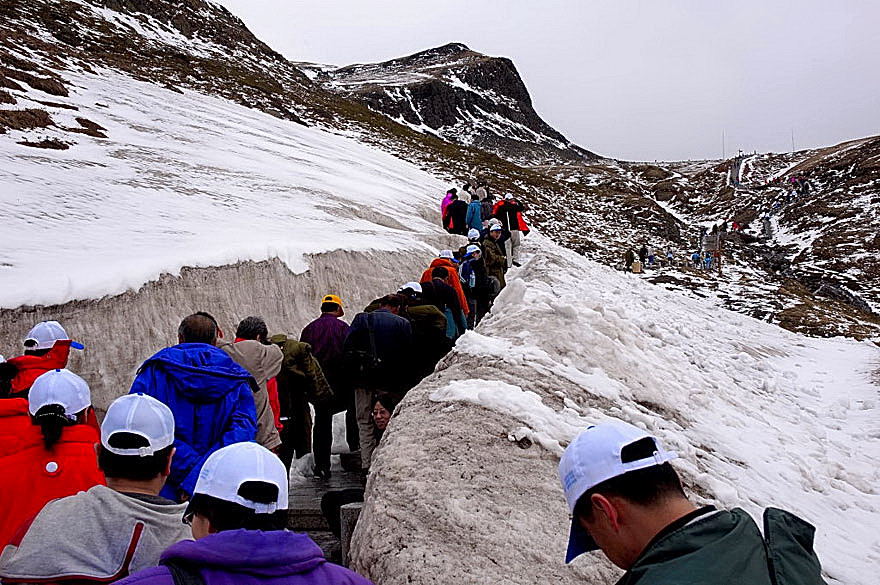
(461, 96)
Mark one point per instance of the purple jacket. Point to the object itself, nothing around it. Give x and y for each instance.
(251, 557)
(326, 335)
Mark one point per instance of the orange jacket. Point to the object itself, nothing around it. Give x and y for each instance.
(453, 280)
(31, 367)
(31, 476)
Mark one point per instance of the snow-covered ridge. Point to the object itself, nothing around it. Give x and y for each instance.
(760, 417)
(459, 95)
(188, 180)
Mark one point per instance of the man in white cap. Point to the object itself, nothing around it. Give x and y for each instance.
(627, 500)
(46, 347)
(238, 513)
(105, 533)
(509, 213)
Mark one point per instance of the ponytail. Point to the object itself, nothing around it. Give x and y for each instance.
(52, 421)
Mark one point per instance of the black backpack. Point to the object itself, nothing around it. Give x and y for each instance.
(184, 573)
(365, 364)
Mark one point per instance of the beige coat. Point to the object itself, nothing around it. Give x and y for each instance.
(263, 362)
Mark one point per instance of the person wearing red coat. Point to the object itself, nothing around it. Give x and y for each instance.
(453, 280)
(509, 212)
(47, 449)
(47, 347)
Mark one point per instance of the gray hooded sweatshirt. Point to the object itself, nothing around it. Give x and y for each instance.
(99, 534)
(262, 362)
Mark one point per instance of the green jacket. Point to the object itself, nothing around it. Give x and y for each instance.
(726, 548)
(301, 374)
(496, 261)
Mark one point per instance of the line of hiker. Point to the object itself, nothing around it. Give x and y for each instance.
(647, 257)
(478, 211)
(209, 398)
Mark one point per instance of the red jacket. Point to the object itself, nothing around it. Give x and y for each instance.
(31, 476)
(274, 402)
(509, 212)
(31, 367)
(453, 280)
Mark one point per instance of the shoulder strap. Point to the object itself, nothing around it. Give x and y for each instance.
(183, 573)
(372, 336)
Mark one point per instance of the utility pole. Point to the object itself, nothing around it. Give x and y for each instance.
(723, 149)
(792, 140)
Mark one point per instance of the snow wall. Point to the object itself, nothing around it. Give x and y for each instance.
(121, 331)
(464, 487)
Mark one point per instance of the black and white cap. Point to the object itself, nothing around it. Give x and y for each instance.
(141, 415)
(61, 387)
(227, 471)
(45, 334)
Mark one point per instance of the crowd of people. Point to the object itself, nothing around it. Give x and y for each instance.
(185, 480)
(202, 445)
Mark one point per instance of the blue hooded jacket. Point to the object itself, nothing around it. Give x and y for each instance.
(212, 399)
(474, 217)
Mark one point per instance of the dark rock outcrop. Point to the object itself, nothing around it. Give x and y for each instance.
(461, 96)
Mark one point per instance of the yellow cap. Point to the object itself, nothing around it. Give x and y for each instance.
(332, 299)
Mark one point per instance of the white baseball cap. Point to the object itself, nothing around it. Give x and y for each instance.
(226, 470)
(593, 457)
(509, 196)
(60, 387)
(45, 334)
(495, 227)
(473, 234)
(473, 248)
(446, 254)
(141, 415)
(414, 286)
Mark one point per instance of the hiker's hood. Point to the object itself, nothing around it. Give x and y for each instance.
(199, 371)
(266, 554)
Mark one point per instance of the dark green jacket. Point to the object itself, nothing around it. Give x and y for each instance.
(727, 548)
(301, 375)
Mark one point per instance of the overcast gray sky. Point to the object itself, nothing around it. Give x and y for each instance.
(634, 79)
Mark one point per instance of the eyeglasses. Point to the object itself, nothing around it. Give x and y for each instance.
(188, 518)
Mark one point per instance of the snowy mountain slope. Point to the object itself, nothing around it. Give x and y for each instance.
(95, 235)
(189, 180)
(463, 97)
(598, 209)
(817, 261)
(760, 417)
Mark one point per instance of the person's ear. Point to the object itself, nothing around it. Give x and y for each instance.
(179, 338)
(608, 509)
(167, 471)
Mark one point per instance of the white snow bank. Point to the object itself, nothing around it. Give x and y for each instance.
(188, 180)
(759, 415)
